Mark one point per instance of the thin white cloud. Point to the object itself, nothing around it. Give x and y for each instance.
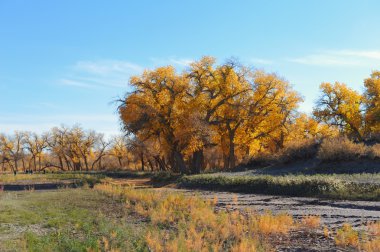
(340, 58)
(261, 61)
(179, 62)
(75, 83)
(100, 74)
(106, 67)
(360, 54)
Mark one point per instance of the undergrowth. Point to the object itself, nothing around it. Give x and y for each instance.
(327, 186)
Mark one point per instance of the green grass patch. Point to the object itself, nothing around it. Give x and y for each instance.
(66, 220)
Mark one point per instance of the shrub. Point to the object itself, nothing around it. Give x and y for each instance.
(341, 149)
(347, 236)
(374, 151)
(298, 150)
(293, 151)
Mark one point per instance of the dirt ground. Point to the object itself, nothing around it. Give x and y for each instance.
(333, 212)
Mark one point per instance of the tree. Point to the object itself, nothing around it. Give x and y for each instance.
(59, 146)
(158, 104)
(372, 102)
(12, 147)
(35, 144)
(119, 149)
(203, 107)
(215, 91)
(341, 106)
(100, 150)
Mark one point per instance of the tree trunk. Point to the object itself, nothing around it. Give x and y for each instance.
(100, 163)
(160, 163)
(85, 162)
(151, 164)
(23, 164)
(179, 162)
(197, 161)
(231, 157)
(142, 161)
(39, 163)
(61, 162)
(16, 165)
(226, 161)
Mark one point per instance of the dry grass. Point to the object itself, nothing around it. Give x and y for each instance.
(293, 151)
(297, 150)
(331, 150)
(372, 242)
(347, 236)
(367, 241)
(182, 223)
(311, 221)
(341, 149)
(374, 152)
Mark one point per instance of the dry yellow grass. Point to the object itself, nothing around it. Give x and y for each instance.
(347, 236)
(311, 221)
(341, 149)
(191, 224)
(181, 223)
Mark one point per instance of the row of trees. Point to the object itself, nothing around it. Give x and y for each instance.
(228, 110)
(354, 114)
(208, 116)
(65, 148)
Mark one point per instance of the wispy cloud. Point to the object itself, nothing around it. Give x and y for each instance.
(340, 58)
(100, 74)
(261, 61)
(106, 67)
(179, 62)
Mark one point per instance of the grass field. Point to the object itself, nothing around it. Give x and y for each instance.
(118, 218)
(66, 220)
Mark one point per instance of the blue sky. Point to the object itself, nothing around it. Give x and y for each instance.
(66, 61)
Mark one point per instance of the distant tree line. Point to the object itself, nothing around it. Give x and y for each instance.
(207, 117)
(66, 149)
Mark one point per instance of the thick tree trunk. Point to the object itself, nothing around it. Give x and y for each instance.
(197, 161)
(179, 163)
(142, 161)
(160, 163)
(151, 164)
(226, 162)
(39, 163)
